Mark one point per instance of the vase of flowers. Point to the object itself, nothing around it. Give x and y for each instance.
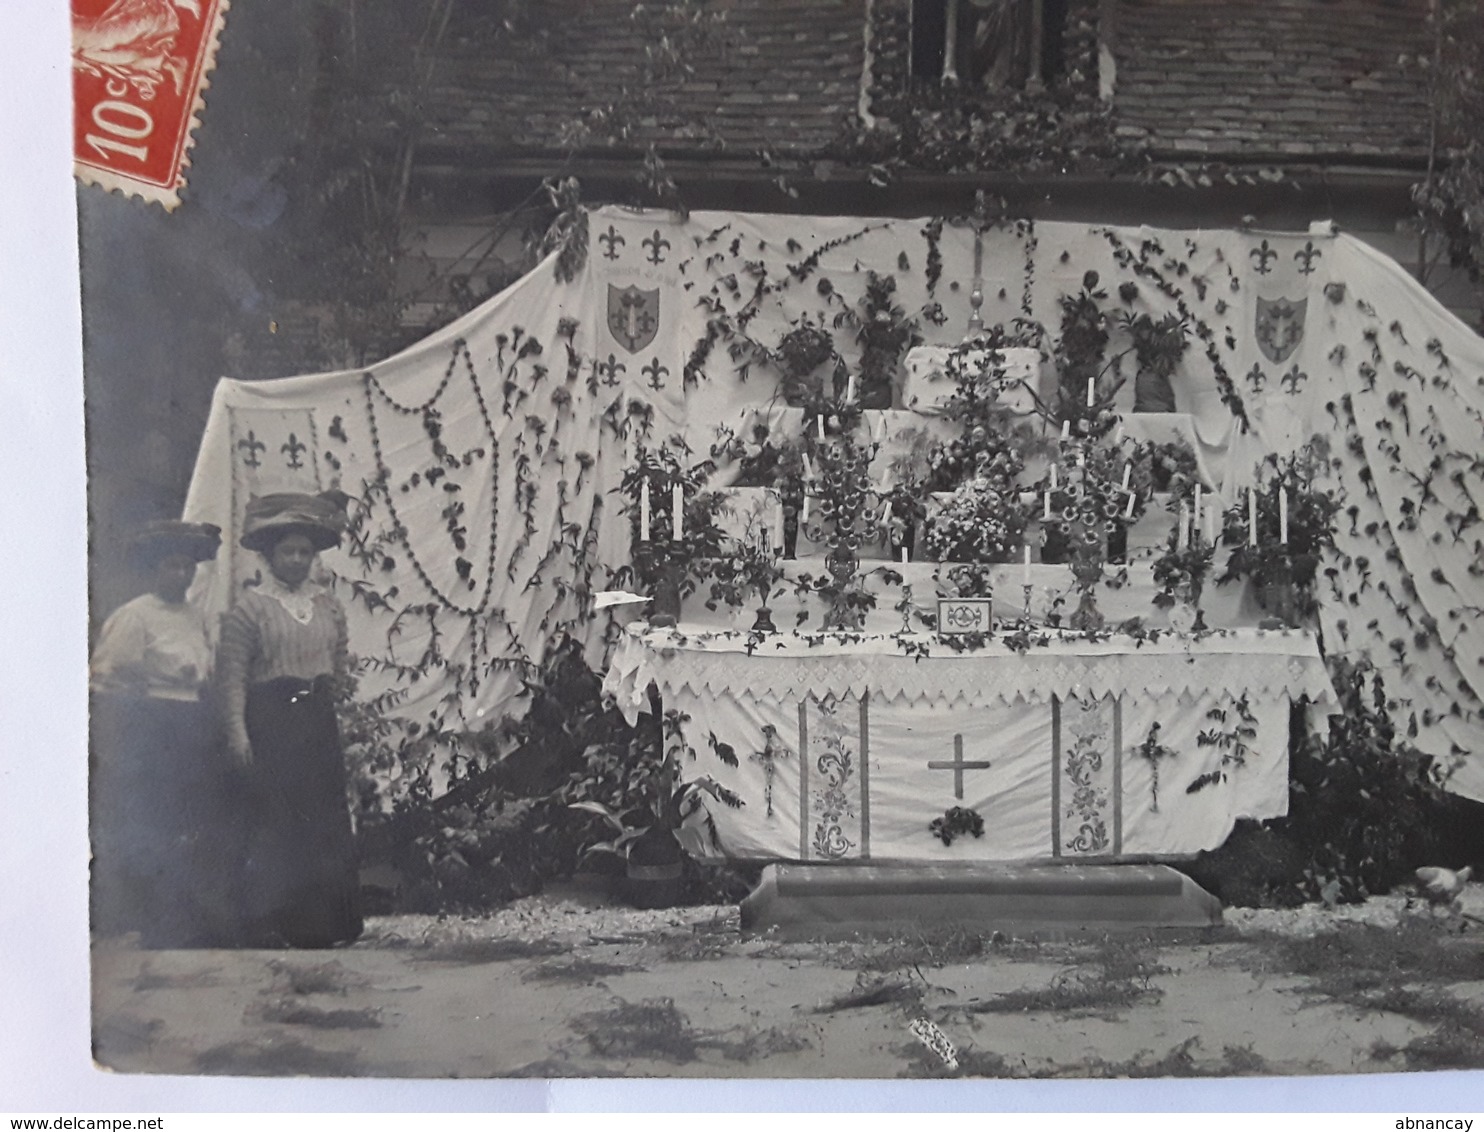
(1294, 528)
(1180, 573)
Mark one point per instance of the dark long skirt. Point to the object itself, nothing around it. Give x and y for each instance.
(300, 877)
(164, 846)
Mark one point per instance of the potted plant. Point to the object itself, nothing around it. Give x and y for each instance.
(646, 823)
(1282, 571)
(671, 566)
(1180, 575)
(802, 355)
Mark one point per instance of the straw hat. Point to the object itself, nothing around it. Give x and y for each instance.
(269, 518)
(160, 539)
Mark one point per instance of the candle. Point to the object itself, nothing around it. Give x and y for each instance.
(1195, 514)
(644, 509)
(850, 388)
(1182, 532)
(1251, 517)
(819, 420)
(1091, 387)
(904, 556)
(808, 467)
(1128, 512)
(1066, 431)
(804, 513)
(1053, 477)
(1127, 471)
(1047, 514)
(1025, 574)
(1081, 458)
(878, 433)
(886, 513)
(677, 511)
(1283, 514)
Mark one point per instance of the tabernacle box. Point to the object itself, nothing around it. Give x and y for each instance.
(138, 69)
(960, 616)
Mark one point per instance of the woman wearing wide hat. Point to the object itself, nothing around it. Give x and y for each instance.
(281, 665)
(162, 853)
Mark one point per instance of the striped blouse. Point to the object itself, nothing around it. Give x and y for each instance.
(262, 640)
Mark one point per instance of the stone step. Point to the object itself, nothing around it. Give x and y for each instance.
(821, 901)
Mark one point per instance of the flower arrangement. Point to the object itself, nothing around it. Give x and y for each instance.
(801, 352)
(1168, 465)
(1294, 528)
(655, 476)
(1180, 573)
(984, 521)
(956, 821)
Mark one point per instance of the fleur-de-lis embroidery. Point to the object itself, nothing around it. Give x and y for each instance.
(1293, 379)
(1262, 255)
(655, 243)
(610, 240)
(1256, 378)
(1306, 256)
(654, 372)
(252, 446)
(294, 450)
(610, 370)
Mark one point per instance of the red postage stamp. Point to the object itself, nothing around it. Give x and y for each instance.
(138, 68)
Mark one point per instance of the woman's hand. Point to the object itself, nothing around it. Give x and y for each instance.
(239, 750)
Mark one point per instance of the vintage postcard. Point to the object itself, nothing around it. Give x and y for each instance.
(784, 539)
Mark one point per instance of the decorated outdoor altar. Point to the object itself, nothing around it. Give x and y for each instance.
(965, 538)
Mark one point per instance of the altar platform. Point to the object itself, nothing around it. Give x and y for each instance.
(819, 902)
(849, 745)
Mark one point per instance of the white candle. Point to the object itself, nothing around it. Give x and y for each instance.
(1025, 574)
(904, 556)
(819, 420)
(1283, 514)
(1195, 514)
(1066, 431)
(850, 388)
(1182, 532)
(1091, 386)
(1081, 458)
(1047, 514)
(1053, 477)
(1127, 471)
(1251, 517)
(644, 509)
(804, 513)
(1128, 512)
(677, 511)
(886, 513)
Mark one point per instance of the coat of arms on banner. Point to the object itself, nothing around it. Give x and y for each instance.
(633, 316)
(1280, 327)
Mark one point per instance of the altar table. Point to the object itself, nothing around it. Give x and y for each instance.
(1044, 744)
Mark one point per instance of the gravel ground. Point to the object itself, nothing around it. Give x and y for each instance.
(584, 914)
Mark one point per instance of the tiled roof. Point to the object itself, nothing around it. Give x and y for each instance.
(774, 76)
(1271, 79)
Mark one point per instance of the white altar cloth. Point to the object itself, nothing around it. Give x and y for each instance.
(1041, 744)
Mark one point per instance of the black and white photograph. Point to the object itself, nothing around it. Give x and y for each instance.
(786, 541)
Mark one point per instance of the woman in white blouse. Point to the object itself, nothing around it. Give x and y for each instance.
(162, 858)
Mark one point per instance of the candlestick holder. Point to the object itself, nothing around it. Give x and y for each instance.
(1025, 611)
(841, 524)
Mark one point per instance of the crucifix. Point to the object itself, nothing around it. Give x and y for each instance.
(958, 766)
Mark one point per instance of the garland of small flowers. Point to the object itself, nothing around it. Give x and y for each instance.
(370, 385)
(1152, 751)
